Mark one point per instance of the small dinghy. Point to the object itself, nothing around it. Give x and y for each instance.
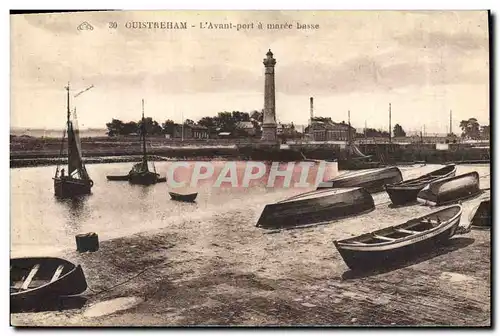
(402, 241)
(117, 177)
(451, 189)
(373, 180)
(406, 191)
(33, 280)
(315, 207)
(482, 215)
(183, 198)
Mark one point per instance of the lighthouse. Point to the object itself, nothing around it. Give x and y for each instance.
(269, 119)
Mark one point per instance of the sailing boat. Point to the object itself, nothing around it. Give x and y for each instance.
(140, 173)
(77, 181)
(355, 159)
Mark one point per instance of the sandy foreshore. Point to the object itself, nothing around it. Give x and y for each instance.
(222, 270)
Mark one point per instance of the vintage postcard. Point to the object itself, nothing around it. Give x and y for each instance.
(250, 168)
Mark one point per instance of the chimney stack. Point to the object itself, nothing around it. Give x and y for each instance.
(311, 108)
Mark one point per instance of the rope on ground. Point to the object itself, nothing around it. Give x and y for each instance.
(124, 282)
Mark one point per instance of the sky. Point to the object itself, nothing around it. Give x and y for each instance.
(423, 63)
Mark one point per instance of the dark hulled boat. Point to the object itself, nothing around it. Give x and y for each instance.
(406, 191)
(77, 181)
(451, 189)
(140, 173)
(38, 279)
(482, 215)
(373, 180)
(400, 242)
(183, 197)
(315, 207)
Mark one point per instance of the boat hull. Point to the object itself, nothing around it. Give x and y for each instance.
(66, 187)
(451, 189)
(373, 180)
(482, 216)
(183, 198)
(146, 178)
(71, 282)
(407, 191)
(316, 207)
(383, 255)
(117, 177)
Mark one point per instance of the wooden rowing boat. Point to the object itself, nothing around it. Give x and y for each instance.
(451, 189)
(35, 280)
(316, 207)
(482, 215)
(406, 191)
(404, 241)
(183, 197)
(373, 180)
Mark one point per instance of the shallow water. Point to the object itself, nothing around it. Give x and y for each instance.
(40, 223)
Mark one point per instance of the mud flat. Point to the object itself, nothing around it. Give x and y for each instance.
(222, 270)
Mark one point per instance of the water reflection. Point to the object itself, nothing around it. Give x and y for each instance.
(77, 211)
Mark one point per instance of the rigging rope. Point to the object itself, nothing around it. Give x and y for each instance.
(61, 150)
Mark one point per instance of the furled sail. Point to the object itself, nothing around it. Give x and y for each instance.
(75, 163)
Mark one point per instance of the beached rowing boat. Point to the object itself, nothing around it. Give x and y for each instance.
(34, 280)
(482, 215)
(451, 189)
(373, 180)
(316, 207)
(400, 242)
(183, 197)
(406, 191)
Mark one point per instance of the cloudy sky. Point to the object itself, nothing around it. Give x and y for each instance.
(423, 63)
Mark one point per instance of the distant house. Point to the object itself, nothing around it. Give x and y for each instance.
(247, 127)
(329, 130)
(190, 131)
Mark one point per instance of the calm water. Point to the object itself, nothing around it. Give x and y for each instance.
(40, 223)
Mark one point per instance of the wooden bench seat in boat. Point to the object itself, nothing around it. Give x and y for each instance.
(57, 273)
(384, 238)
(30, 277)
(407, 231)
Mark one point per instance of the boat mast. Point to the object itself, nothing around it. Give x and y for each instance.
(68, 123)
(390, 131)
(143, 135)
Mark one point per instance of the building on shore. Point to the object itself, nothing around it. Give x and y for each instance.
(328, 130)
(190, 131)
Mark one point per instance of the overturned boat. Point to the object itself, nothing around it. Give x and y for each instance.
(183, 197)
(482, 215)
(406, 191)
(400, 242)
(451, 189)
(373, 180)
(35, 280)
(315, 207)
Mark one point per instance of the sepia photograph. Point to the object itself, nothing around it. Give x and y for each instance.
(258, 168)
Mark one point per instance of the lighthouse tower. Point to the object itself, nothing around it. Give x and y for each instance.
(269, 119)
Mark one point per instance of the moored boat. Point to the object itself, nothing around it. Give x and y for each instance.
(373, 180)
(117, 177)
(400, 242)
(316, 207)
(451, 189)
(38, 279)
(77, 181)
(406, 191)
(140, 173)
(183, 197)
